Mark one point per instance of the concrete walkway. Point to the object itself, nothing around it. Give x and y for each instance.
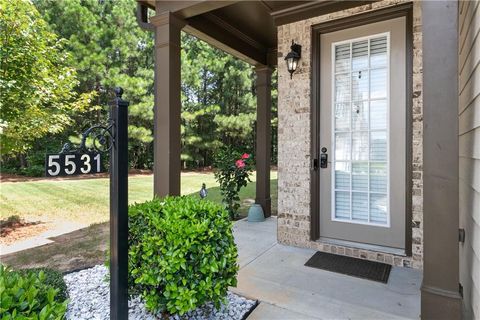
(276, 276)
(42, 238)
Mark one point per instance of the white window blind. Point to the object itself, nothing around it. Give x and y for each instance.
(360, 137)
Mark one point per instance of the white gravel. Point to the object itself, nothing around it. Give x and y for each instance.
(89, 296)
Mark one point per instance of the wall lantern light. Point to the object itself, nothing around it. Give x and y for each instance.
(292, 57)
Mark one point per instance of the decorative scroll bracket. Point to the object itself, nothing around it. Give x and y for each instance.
(103, 135)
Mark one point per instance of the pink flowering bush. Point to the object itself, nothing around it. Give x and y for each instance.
(232, 171)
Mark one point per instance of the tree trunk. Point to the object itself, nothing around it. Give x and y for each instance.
(23, 160)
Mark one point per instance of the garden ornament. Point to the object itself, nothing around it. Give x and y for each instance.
(255, 213)
(203, 191)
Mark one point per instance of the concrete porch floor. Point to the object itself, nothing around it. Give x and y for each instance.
(275, 275)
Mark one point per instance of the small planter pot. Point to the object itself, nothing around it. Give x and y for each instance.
(255, 213)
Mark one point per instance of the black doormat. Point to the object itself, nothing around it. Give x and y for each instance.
(371, 270)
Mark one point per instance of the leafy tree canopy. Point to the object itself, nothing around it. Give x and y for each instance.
(109, 49)
(36, 82)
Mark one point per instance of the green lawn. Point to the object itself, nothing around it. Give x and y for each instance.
(86, 200)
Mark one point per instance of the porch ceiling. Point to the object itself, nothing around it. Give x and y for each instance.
(245, 29)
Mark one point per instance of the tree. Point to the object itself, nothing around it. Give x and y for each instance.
(218, 102)
(37, 84)
(109, 49)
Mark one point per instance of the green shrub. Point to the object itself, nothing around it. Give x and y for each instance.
(53, 278)
(181, 253)
(26, 295)
(30, 171)
(33, 171)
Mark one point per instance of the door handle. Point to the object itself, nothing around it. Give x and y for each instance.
(324, 158)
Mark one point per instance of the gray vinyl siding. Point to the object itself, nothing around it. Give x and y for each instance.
(469, 153)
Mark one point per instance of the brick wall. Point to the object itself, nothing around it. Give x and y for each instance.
(294, 142)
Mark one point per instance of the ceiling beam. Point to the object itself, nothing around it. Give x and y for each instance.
(312, 9)
(219, 33)
(188, 9)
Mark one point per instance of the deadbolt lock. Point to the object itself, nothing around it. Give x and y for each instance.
(324, 158)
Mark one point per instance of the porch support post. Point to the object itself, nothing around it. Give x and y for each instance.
(263, 137)
(440, 290)
(167, 105)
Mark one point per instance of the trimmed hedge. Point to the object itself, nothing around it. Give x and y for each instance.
(26, 295)
(181, 253)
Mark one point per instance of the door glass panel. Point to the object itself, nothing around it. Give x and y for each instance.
(378, 177)
(342, 87)
(378, 146)
(360, 155)
(378, 115)
(378, 83)
(342, 117)
(378, 52)
(360, 182)
(360, 85)
(342, 146)
(360, 167)
(378, 208)
(359, 115)
(342, 175)
(360, 176)
(342, 58)
(360, 206)
(360, 55)
(342, 205)
(360, 146)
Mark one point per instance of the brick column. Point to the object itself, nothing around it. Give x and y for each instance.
(263, 147)
(167, 104)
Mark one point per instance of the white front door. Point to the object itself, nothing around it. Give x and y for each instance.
(363, 132)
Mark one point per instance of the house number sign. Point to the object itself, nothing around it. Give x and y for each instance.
(69, 164)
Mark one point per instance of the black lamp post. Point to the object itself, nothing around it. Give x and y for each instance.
(292, 57)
